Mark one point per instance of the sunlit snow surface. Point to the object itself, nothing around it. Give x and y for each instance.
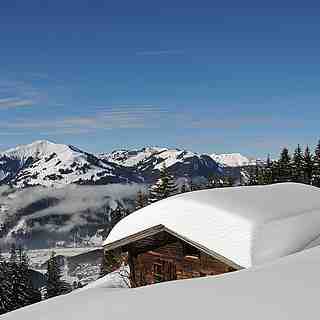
(162, 156)
(247, 225)
(233, 160)
(286, 289)
(54, 159)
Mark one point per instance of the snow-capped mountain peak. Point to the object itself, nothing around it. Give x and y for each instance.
(149, 160)
(49, 164)
(37, 148)
(233, 160)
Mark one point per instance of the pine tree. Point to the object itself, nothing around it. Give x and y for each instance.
(117, 214)
(16, 288)
(28, 293)
(228, 181)
(110, 262)
(13, 254)
(298, 165)
(253, 177)
(316, 162)
(284, 166)
(194, 186)
(214, 181)
(308, 166)
(165, 186)
(183, 188)
(14, 276)
(141, 201)
(6, 295)
(267, 172)
(55, 285)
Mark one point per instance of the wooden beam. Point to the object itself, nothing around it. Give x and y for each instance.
(132, 269)
(135, 237)
(161, 228)
(205, 250)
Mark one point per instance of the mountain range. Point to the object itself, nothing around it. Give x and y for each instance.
(44, 163)
(54, 192)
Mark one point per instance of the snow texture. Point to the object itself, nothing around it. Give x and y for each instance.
(55, 165)
(247, 225)
(233, 160)
(116, 279)
(285, 289)
(131, 158)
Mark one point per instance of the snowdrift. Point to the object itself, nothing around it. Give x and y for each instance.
(286, 289)
(247, 225)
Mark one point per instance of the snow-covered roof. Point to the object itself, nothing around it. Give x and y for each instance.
(247, 225)
(286, 289)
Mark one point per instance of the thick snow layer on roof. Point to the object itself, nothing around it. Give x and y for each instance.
(247, 225)
(286, 289)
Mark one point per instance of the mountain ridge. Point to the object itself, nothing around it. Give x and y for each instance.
(50, 164)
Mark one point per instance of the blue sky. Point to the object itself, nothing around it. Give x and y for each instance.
(210, 76)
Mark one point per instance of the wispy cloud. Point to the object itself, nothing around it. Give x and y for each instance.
(138, 117)
(106, 118)
(15, 102)
(16, 94)
(159, 52)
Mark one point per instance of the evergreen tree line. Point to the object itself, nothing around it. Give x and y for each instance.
(16, 288)
(55, 286)
(166, 186)
(302, 166)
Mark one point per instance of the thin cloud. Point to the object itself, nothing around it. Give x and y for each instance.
(17, 94)
(127, 117)
(15, 102)
(159, 52)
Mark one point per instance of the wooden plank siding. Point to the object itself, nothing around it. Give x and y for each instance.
(158, 254)
(173, 261)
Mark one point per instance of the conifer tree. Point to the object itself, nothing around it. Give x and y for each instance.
(193, 186)
(316, 162)
(284, 166)
(14, 276)
(183, 188)
(141, 201)
(13, 254)
(253, 177)
(228, 181)
(267, 172)
(298, 165)
(308, 165)
(214, 181)
(16, 289)
(165, 186)
(28, 293)
(6, 304)
(55, 285)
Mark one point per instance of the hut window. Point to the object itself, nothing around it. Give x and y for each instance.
(157, 272)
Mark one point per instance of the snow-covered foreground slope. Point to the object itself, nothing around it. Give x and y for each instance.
(246, 225)
(233, 160)
(286, 289)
